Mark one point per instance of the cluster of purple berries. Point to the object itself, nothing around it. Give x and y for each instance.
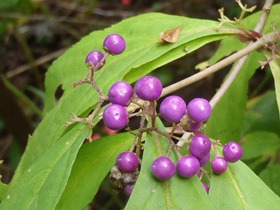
(173, 109)
(115, 115)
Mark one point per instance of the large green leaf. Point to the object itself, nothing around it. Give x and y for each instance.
(240, 188)
(176, 193)
(41, 186)
(143, 49)
(271, 176)
(93, 162)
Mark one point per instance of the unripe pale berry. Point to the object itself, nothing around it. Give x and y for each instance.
(163, 168)
(173, 108)
(232, 152)
(120, 93)
(114, 44)
(219, 165)
(93, 58)
(115, 116)
(200, 145)
(199, 109)
(148, 88)
(127, 162)
(187, 166)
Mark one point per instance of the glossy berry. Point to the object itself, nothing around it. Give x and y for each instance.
(204, 160)
(199, 109)
(205, 186)
(127, 162)
(200, 145)
(148, 88)
(232, 152)
(120, 93)
(173, 108)
(187, 166)
(128, 189)
(93, 58)
(114, 44)
(163, 168)
(219, 165)
(115, 117)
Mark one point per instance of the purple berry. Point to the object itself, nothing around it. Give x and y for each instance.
(199, 109)
(114, 44)
(204, 160)
(200, 146)
(205, 186)
(127, 162)
(93, 58)
(187, 166)
(115, 117)
(163, 168)
(120, 93)
(173, 108)
(128, 189)
(148, 88)
(232, 152)
(219, 165)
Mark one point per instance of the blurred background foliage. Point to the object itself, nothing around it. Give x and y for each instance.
(35, 32)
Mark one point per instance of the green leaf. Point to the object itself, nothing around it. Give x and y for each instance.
(260, 143)
(271, 176)
(241, 188)
(93, 163)
(227, 117)
(42, 184)
(176, 193)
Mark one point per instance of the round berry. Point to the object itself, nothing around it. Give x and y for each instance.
(163, 168)
(204, 160)
(232, 152)
(187, 166)
(206, 187)
(200, 145)
(127, 162)
(94, 58)
(115, 117)
(114, 44)
(148, 88)
(199, 109)
(173, 108)
(219, 165)
(128, 189)
(120, 93)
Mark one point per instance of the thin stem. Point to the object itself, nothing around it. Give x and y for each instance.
(237, 68)
(220, 65)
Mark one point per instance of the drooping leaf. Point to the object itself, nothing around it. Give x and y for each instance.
(176, 193)
(93, 163)
(42, 184)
